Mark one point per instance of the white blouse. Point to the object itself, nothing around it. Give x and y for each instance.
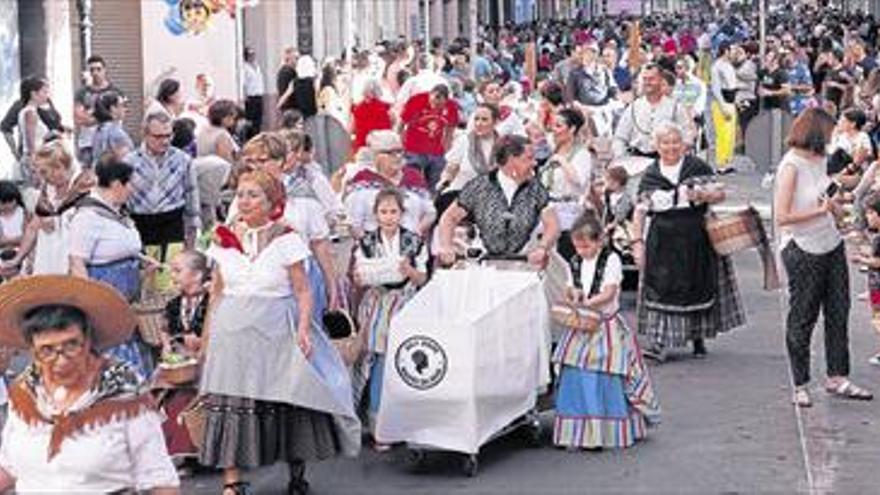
(267, 275)
(458, 154)
(12, 226)
(100, 240)
(613, 275)
(122, 454)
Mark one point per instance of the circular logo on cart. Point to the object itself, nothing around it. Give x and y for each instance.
(421, 362)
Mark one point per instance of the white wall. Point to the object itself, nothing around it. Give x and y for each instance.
(183, 57)
(59, 62)
(9, 72)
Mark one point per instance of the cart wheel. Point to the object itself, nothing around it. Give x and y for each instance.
(416, 458)
(470, 465)
(534, 432)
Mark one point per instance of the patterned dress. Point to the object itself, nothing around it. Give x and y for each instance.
(604, 397)
(381, 302)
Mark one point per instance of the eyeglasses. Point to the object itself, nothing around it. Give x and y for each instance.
(161, 136)
(71, 349)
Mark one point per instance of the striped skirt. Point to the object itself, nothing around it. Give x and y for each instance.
(670, 329)
(604, 396)
(592, 411)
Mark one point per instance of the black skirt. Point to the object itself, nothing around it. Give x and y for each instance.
(680, 264)
(247, 433)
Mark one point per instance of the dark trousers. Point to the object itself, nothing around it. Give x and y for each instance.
(253, 111)
(817, 282)
(431, 166)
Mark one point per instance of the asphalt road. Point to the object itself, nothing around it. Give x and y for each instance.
(728, 427)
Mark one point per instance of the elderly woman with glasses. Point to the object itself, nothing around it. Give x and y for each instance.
(688, 292)
(388, 171)
(79, 422)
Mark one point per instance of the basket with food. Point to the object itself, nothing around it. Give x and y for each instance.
(178, 369)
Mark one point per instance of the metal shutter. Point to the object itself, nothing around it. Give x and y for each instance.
(117, 38)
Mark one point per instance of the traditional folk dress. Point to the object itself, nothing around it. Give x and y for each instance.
(382, 301)
(184, 316)
(109, 441)
(51, 255)
(687, 290)
(106, 238)
(366, 184)
(604, 397)
(265, 401)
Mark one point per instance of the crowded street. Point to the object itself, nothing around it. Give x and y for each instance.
(431, 246)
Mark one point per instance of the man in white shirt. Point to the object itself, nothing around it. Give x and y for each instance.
(426, 80)
(254, 88)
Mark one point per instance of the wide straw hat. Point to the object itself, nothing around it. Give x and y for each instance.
(110, 316)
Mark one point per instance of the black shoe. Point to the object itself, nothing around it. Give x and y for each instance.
(700, 348)
(237, 488)
(655, 353)
(298, 484)
(298, 487)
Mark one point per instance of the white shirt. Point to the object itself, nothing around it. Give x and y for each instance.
(459, 153)
(613, 275)
(122, 454)
(324, 190)
(422, 82)
(267, 275)
(12, 226)
(252, 83)
(100, 240)
(508, 186)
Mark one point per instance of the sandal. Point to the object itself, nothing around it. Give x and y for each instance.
(848, 390)
(802, 397)
(237, 488)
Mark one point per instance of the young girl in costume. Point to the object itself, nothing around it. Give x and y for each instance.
(604, 395)
(391, 263)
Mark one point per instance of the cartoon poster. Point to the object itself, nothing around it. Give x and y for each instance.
(193, 17)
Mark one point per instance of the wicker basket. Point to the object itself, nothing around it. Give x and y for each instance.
(150, 311)
(178, 374)
(576, 318)
(734, 233)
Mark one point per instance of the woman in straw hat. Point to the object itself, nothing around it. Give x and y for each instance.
(79, 422)
(275, 388)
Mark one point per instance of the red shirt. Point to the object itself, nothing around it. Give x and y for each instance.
(426, 126)
(369, 115)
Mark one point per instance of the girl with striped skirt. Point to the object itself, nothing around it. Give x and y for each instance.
(392, 263)
(604, 396)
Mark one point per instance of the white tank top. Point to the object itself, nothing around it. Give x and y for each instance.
(818, 235)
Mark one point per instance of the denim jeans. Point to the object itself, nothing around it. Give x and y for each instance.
(431, 166)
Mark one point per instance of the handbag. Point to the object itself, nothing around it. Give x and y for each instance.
(344, 335)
